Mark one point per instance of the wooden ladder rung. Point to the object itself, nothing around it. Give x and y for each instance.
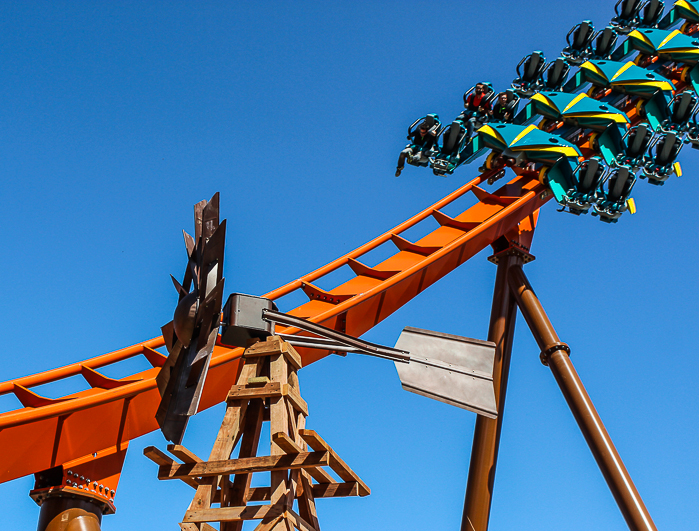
(245, 392)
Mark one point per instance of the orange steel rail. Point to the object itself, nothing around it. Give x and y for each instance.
(49, 432)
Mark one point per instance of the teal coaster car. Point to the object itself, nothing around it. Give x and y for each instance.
(663, 165)
(453, 138)
(579, 41)
(527, 146)
(529, 74)
(613, 196)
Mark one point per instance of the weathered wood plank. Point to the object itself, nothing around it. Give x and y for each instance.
(274, 345)
(336, 463)
(161, 458)
(285, 442)
(336, 490)
(298, 522)
(185, 455)
(248, 465)
(194, 527)
(324, 490)
(269, 525)
(245, 392)
(295, 398)
(279, 422)
(232, 514)
(158, 456)
(307, 502)
(319, 474)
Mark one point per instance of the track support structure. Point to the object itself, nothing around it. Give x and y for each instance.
(556, 355)
(486, 437)
(68, 514)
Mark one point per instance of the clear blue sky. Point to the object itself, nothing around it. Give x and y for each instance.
(117, 118)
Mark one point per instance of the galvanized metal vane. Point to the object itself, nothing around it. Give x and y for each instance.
(451, 369)
(191, 335)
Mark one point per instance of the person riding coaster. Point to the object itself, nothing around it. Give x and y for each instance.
(477, 106)
(422, 135)
(504, 107)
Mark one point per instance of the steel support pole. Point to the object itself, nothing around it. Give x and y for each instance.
(555, 354)
(69, 514)
(486, 437)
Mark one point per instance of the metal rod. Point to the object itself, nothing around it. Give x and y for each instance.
(361, 346)
(556, 355)
(486, 437)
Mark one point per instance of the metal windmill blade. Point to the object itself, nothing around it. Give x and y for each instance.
(190, 336)
(451, 369)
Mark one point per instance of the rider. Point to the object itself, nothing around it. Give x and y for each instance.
(475, 104)
(500, 111)
(421, 141)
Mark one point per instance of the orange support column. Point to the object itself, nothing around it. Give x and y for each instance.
(81, 490)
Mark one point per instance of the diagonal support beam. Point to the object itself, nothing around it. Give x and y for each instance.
(555, 354)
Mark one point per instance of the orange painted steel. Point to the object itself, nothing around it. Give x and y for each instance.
(51, 432)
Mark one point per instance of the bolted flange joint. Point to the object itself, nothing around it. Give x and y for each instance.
(544, 356)
(514, 248)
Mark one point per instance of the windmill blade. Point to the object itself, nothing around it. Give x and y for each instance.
(209, 217)
(193, 331)
(451, 369)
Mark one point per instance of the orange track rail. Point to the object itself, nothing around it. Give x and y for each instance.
(50, 432)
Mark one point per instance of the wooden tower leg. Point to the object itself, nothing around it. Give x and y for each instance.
(269, 373)
(226, 440)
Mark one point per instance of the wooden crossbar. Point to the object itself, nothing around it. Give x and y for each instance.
(269, 390)
(245, 392)
(162, 459)
(185, 455)
(275, 345)
(244, 466)
(324, 490)
(336, 463)
(233, 514)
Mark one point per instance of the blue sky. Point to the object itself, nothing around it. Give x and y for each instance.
(118, 117)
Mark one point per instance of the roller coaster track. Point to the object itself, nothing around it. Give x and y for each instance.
(112, 412)
(49, 432)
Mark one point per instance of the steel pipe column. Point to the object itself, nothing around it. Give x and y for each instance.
(555, 354)
(69, 514)
(486, 437)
